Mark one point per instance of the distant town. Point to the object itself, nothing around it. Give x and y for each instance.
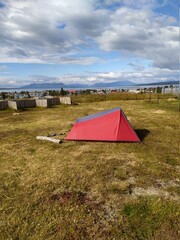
(27, 94)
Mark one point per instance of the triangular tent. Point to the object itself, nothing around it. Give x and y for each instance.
(110, 125)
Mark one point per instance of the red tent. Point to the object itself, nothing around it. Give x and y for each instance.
(110, 125)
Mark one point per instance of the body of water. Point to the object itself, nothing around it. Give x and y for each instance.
(134, 87)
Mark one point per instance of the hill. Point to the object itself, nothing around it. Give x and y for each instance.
(77, 85)
(161, 83)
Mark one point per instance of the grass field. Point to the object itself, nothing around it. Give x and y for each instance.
(90, 190)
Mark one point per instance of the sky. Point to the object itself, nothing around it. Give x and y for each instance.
(88, 41)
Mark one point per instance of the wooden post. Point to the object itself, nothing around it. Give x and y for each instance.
(158, 98)
(150, 97)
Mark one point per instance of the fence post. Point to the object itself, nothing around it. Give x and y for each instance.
(158, 98)
(150, 97)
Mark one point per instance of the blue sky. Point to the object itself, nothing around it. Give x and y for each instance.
(77, 41)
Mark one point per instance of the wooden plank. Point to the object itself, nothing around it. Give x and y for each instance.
(48, 139)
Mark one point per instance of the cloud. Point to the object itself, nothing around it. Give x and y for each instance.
(47, 31)
(81, 61)
(136, 76)
(58, 31)
(9, 82)
(143, 34)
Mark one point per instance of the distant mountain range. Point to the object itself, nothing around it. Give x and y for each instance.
(95, 85)
(77, 85)
(161, 83)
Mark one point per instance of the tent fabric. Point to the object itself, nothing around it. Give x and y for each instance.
(97, 115)
(109, 125)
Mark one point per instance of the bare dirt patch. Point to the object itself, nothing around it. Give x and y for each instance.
(159, 112)
(152, 191)
(67, 196)
(171, 99)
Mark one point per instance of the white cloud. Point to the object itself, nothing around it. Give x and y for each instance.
(9, 82)
(143, 34)
(29, 30)
(43, 31)
(144, 76)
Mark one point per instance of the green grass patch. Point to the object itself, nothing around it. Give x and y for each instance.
(149, 218)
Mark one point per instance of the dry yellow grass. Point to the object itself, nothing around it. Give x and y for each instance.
(90, 190)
